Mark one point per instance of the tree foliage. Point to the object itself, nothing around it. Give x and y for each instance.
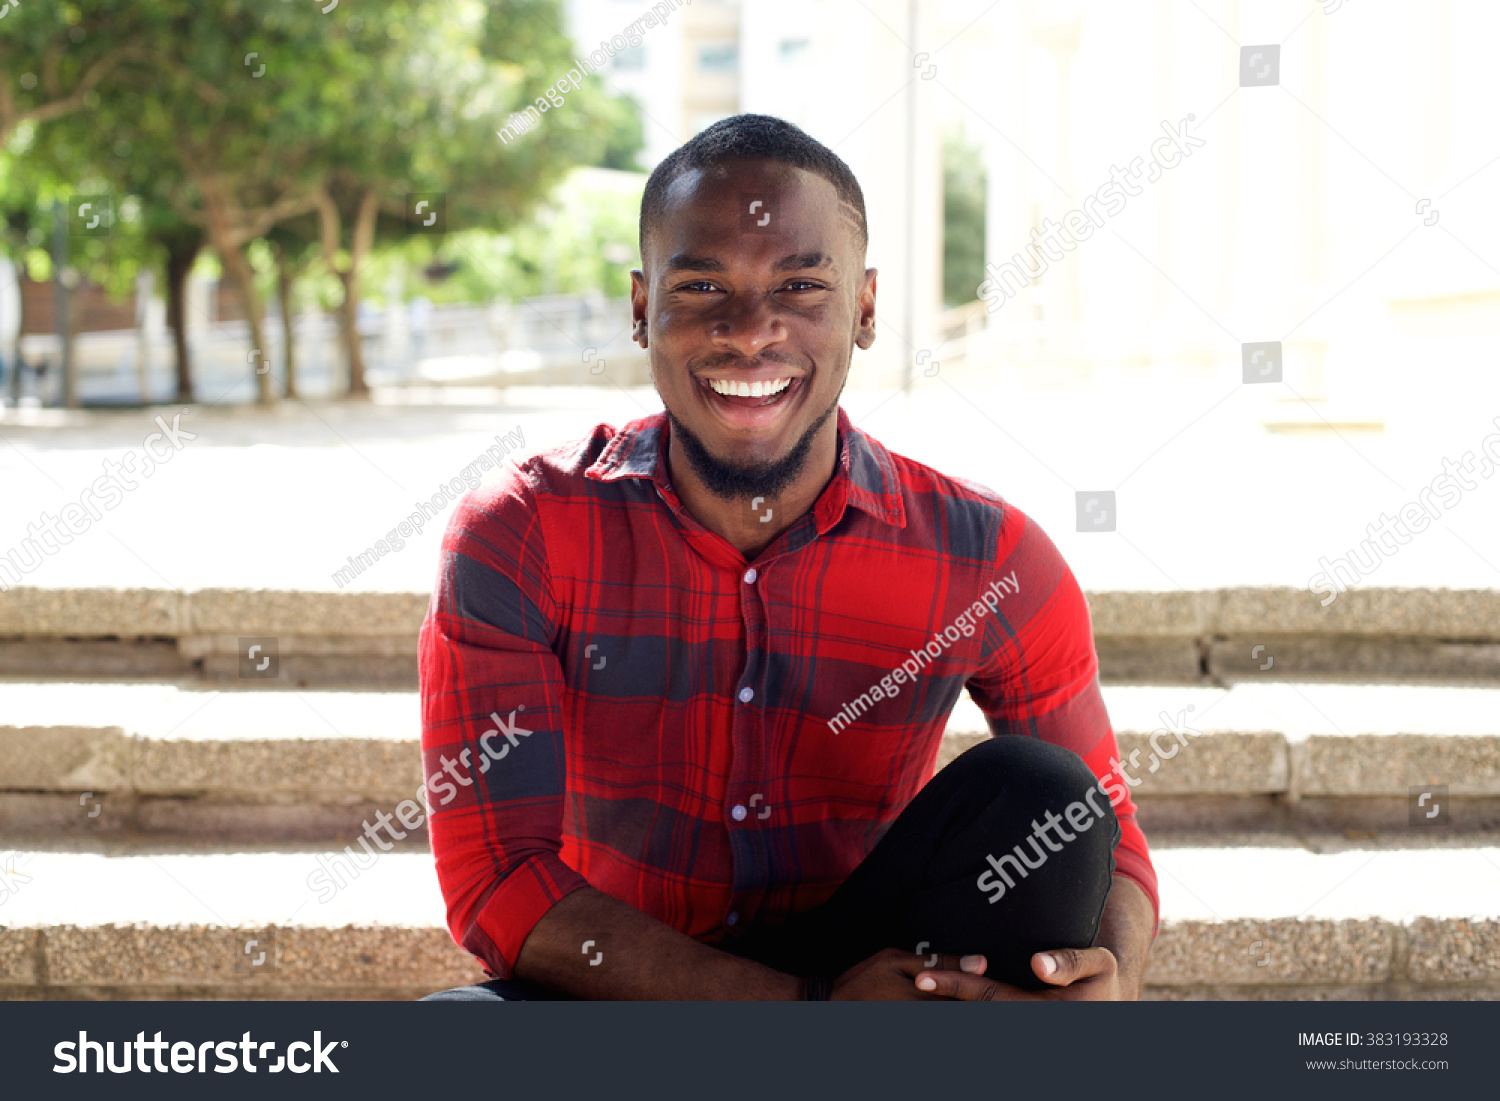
(223, 122)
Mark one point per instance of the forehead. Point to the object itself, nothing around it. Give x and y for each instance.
(748, 202)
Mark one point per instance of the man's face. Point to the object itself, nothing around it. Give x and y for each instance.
(753, 279)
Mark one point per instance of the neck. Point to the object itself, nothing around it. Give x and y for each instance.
(739, 520)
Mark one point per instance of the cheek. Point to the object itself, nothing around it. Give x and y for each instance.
(670, 346)
(679, 325)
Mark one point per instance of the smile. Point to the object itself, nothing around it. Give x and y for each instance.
(752, 404)
(730, 388)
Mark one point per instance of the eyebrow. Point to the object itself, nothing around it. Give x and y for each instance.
(794, 262)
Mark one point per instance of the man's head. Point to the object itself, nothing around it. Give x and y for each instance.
(753, 240)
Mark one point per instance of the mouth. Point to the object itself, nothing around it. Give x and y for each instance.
(751, 401)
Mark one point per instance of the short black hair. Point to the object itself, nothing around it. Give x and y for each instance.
(753, 137)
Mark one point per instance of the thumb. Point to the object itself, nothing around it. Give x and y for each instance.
(1064, 966)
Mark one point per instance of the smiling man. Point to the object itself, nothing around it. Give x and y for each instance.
(727, 639)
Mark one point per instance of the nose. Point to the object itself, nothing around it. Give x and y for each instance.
(747, 324)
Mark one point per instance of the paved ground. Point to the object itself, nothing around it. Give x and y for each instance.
(1207, 496)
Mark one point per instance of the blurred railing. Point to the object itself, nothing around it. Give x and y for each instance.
(548, 340)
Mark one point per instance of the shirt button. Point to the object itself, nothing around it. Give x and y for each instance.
(747, 694)
(739, 812)
(734, 916)
(750, 576)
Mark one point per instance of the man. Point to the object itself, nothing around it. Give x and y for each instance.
(684, 683)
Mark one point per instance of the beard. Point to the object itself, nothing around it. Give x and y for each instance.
(738, 481)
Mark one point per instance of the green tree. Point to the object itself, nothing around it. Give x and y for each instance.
(420, 117)
(260, 111)
(963, 218)
(46, 172)
(54, 57)
(295, 243)
(107, 144)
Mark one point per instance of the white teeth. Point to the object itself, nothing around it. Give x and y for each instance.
(748, 389)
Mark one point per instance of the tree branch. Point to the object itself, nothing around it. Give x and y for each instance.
(328, 226)
(49, 70)
(288, 206)
(10, 118)
(364, 228)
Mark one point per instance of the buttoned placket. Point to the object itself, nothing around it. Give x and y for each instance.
(747, 770)
(748, 848)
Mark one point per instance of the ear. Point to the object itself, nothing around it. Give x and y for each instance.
(638, 306)
(864, 333)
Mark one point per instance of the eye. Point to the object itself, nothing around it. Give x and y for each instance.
(805, 283)
(699, 285)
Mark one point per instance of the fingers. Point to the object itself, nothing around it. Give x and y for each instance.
(959, 985)
(942, 961)
(1057, 967)
(1064, 966)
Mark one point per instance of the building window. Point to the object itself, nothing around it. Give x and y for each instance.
(719, 57)
(631, 58)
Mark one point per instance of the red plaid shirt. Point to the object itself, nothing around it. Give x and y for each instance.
(613, 696)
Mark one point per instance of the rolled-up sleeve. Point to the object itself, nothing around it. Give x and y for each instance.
(492, 731)
(1040, 678)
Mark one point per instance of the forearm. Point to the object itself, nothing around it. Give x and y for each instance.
(1125, 929)
(642, 958)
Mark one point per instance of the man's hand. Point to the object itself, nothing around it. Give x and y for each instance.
(890, 975)
(1110, 971)
(1076, 975)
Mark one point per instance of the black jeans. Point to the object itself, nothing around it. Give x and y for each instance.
(1002, 808)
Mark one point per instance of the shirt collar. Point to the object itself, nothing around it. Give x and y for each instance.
(865, 475)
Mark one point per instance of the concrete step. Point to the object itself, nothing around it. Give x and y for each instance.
(326, 638)
(1300, 756)
(162, 759)
(165, 759)
(1258, 920)
(1358, 923)
(89, 925)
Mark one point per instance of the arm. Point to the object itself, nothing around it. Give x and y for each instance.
(1125, 930)
(639, 957)
(642, 959)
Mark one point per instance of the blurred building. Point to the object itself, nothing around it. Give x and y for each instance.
(1340, 206)
(683, 74)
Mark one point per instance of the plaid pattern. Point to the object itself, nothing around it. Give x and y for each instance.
(610, 697)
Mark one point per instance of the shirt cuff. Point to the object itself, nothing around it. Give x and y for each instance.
(508, 916)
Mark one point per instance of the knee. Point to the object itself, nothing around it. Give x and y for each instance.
(1031, 770)
(1008, 754)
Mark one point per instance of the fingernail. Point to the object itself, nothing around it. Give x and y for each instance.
(926, 982)
(970, 963)
(1049, 964)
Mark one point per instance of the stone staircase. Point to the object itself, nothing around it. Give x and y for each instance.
(174, 811)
